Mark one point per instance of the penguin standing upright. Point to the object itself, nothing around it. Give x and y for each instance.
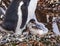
(16, 16)
(11, 16)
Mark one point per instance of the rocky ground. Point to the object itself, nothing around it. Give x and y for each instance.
(50, 39)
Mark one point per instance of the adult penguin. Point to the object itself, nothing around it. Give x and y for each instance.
(16, 16)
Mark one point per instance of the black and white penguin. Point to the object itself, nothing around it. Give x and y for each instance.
(18, 15)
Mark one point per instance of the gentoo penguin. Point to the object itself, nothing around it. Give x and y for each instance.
(16, 16)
